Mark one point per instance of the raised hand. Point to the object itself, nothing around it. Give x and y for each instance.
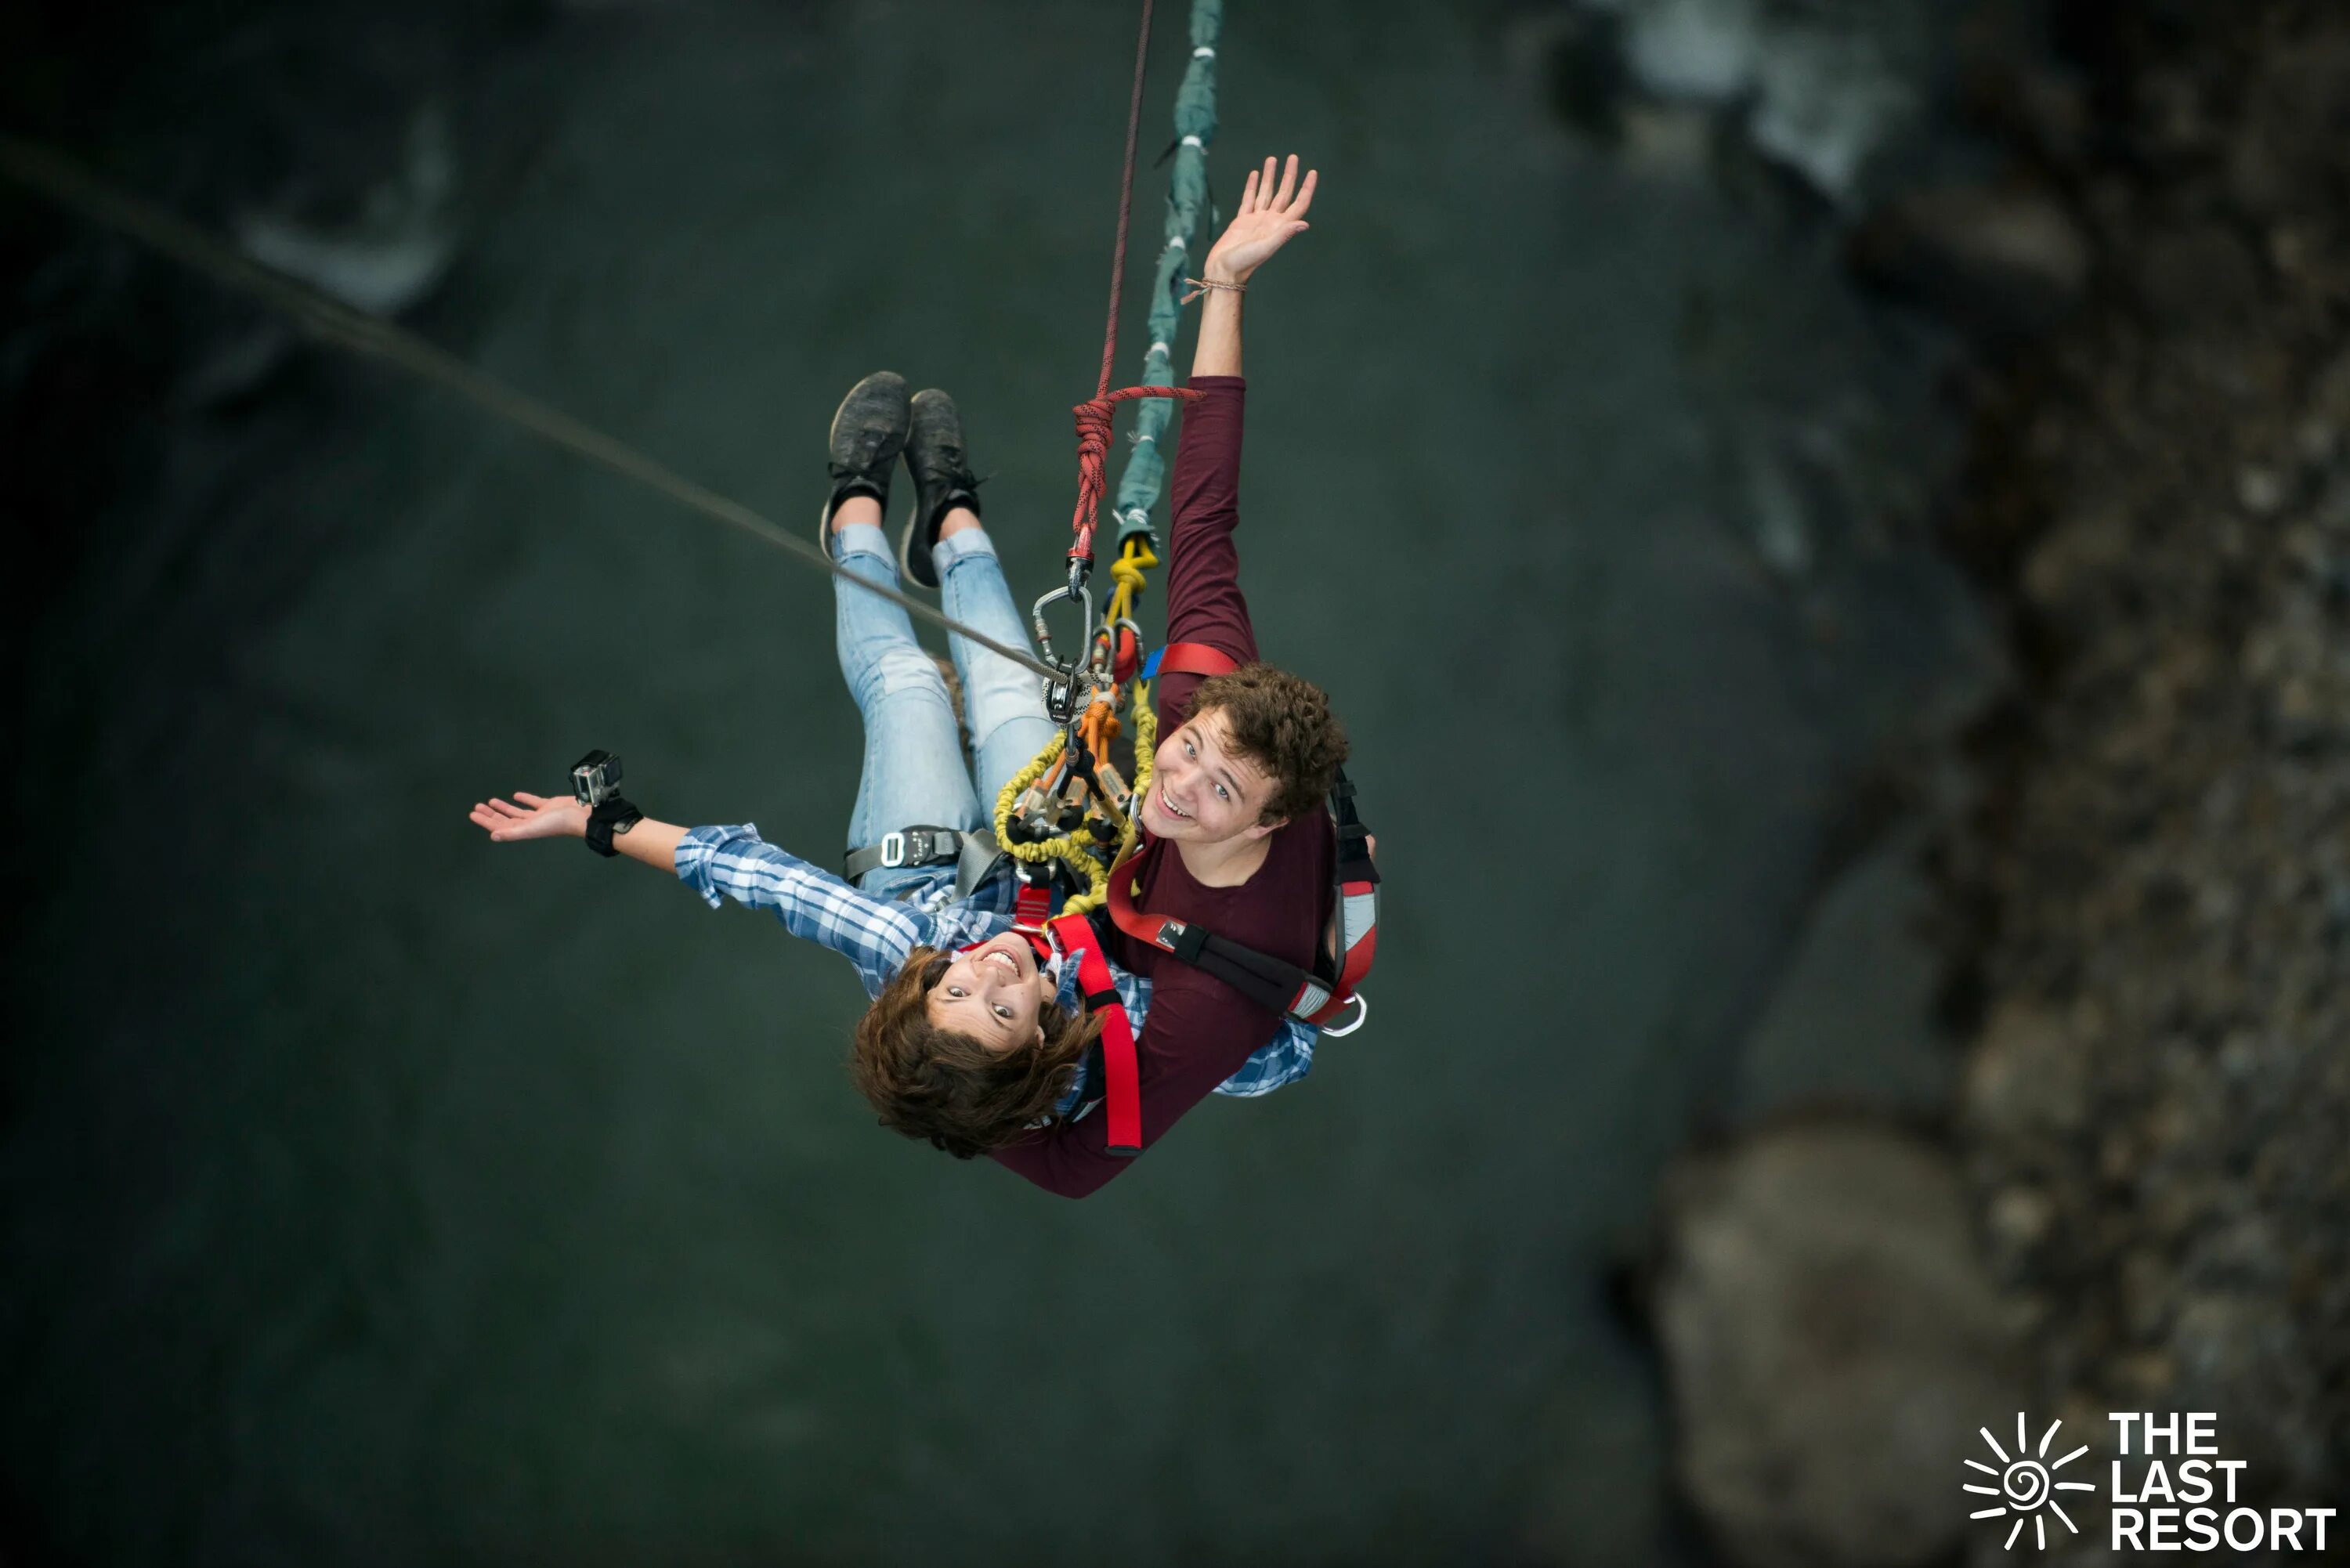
(1266, 219)
(537, 817)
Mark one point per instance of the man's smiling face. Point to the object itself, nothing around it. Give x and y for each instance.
(1202, 790)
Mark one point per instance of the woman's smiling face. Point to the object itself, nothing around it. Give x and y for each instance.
(996, 993)
(1202, 790)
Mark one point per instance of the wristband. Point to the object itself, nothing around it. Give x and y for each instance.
(613, 815)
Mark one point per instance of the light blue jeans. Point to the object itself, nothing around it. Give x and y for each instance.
(915, 772)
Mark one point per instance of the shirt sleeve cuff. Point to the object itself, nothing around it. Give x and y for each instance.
(696, 851)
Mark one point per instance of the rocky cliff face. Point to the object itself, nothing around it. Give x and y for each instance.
(2155, 1110)
(2146, 901)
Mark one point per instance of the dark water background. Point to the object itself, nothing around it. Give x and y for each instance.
(371, 1195)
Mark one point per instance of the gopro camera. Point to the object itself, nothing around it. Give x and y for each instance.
(595, 778)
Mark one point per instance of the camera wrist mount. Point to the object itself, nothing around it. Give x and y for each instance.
(595, 784)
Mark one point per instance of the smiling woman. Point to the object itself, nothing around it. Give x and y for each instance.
(954, 1081)
(995, 992)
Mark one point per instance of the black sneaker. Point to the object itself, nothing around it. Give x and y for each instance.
(943, 481)
(869, 430)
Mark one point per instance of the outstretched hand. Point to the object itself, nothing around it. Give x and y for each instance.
(537, 817)
(1266, 219)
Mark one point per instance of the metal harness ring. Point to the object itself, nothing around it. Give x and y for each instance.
(1362, 1016)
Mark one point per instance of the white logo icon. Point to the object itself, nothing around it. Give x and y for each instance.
(2025, 1484)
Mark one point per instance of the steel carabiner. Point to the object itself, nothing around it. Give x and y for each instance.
(1073, 681)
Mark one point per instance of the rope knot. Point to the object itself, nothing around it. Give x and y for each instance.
(1128, 574)
(1094, 417)
(1094, 428)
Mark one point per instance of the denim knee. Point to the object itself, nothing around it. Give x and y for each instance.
(901, 672)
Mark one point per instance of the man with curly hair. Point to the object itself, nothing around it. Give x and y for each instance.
(1245, 759)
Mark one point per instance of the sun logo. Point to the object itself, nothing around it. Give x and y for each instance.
(2025, 1485)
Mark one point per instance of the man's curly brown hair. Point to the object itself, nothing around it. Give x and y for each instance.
(1282, 723)
(947, 1086)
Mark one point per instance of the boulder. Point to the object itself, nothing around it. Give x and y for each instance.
(2000, 261)
(1833, 1343)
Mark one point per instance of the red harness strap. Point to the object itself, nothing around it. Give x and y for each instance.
(1032, 903)
(1189, 658)
(1121, 1063)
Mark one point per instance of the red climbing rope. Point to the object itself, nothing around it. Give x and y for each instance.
(1124, 201)
(1093, 447)
(1094, 417)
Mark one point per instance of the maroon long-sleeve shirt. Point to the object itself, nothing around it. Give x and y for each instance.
(1200, 1030)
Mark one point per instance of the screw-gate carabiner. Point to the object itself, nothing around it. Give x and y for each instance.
(1068, 690)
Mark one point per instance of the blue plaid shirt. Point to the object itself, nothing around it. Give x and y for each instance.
(877, 934)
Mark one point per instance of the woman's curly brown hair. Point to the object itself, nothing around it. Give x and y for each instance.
(949, 1087)
(1282, 723)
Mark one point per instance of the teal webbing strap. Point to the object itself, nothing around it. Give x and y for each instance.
(1145, 475)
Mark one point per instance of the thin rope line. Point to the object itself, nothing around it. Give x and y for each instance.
(75, 188)
(1124, 201)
